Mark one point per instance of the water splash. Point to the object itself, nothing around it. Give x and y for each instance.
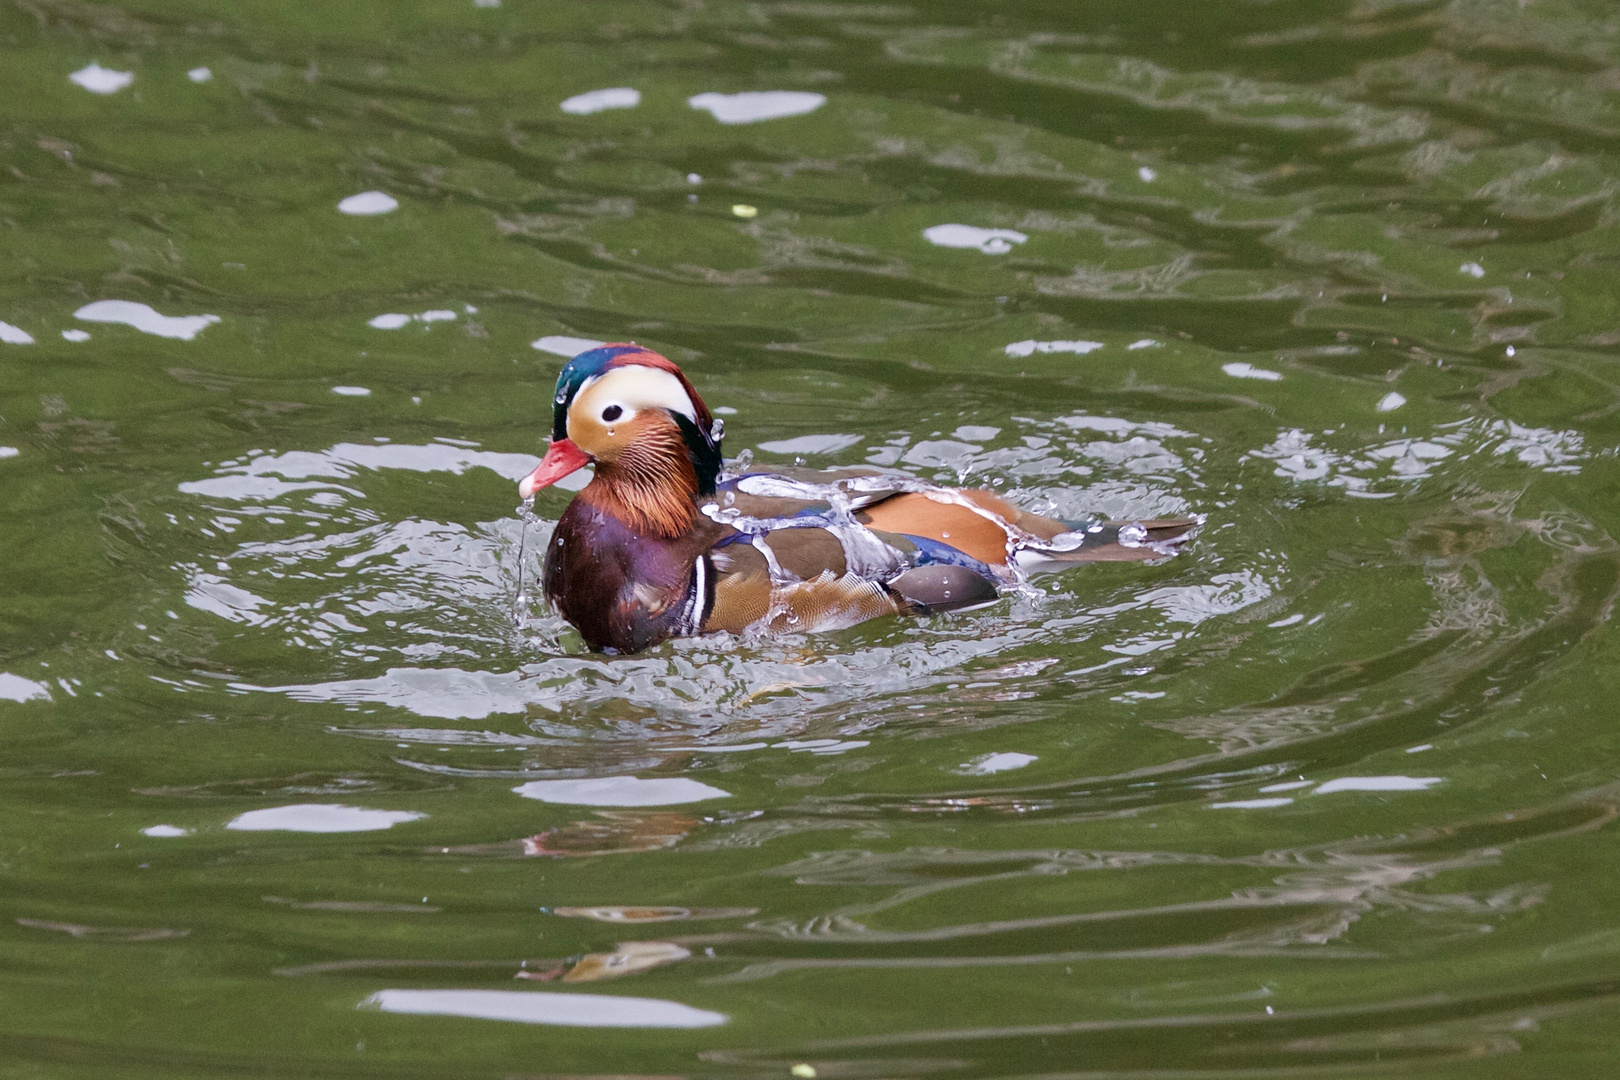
(520, 602)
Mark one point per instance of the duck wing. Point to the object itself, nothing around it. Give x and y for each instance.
(749, 594)
(811, 550)
(789, 492)
(799, 555)
(978, 523)
(989, 528)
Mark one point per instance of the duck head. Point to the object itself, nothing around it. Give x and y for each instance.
(631, 413)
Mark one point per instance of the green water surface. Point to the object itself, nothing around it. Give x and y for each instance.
(1332, 793)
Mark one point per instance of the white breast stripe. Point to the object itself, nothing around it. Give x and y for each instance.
(700, 592)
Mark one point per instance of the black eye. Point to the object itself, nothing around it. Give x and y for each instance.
(612, 413)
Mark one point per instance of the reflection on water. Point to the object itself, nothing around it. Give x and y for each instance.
(610, 832)
(104, 933)
(629, 958)
(595, 101)
(994, 763)
(1377, 783)
(369, 204)
(319, 818)
(989, 241)
(542, 1007)
(285, 729)
(15, 335)
(565, 346)
(100, 80)
(17, 688)
(752, 106)
(620, 791)
(649, 914)
(143, 318)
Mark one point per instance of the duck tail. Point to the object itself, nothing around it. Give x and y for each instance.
(1107, 541)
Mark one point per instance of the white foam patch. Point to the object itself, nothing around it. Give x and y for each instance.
(17, 688)
(752, 106)
(15, 335)
(620, 791)
(143, 318)
(352, 391)
(1029, 348)
(9, 452)
(1251, 804)
(75, 335)
(1390, 402)
(811, 444)
(368, 203)
(199, 74)
(994, 763)
(542, 1007)
(100, 80)
(562, 345)
(595, 101)
(1241, 370)
(1378, 783)
(1147, 175)
(165, 831)
(989, 241)
(1144, 343)
(320, 818)
(1472, 269)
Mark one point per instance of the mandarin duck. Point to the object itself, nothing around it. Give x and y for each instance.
(660, 544)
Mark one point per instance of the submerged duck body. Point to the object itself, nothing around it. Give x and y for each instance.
(660, 545)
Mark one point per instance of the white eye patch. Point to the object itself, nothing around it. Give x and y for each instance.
(617, 396)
